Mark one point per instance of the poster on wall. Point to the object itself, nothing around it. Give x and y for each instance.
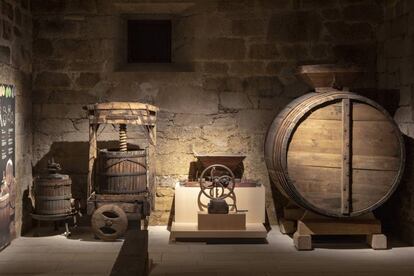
(7, 164)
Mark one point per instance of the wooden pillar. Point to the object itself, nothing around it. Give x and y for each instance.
(93, 153)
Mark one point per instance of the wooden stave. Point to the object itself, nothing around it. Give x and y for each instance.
(53, 196)
(276, 157)
(135, 183)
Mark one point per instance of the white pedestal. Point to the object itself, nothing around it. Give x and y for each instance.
(187, 207)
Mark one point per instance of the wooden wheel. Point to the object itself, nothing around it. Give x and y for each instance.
(109, 222)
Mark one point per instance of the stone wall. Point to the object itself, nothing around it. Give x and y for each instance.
(15, 69)
(396, 73)
(233, 71)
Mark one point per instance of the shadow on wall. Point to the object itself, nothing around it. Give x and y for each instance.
(388, 99)
(395, 214)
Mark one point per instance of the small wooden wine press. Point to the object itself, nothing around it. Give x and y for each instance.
(116, 196)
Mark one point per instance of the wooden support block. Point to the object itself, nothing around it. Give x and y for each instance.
(230, 221)
(302, 242)
(377, 241)
(287, 226)
(313, 225)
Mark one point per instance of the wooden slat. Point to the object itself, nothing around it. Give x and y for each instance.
(346, 157)
(130, 121)
(369, 185)
(329, 112)
(322, 136)
(122, 105)
(315, 179)
(383, 163)
(365, 112)
(374, 138)
(324, 160)
(329, 160)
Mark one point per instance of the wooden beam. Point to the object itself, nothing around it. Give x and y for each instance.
(93, 154)
(346, 158)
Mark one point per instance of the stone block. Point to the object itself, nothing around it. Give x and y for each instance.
(159, 217)
(266, 5)
(5, 54)
(377, 241)
(263, 51)
(80, 7)
(88, 80)
(315, 4)
(399, 26)
(360, 53)
(101, 27)
(55, 126)
(18, 16)
(52, 79)
(7, 9)
(223, 84)
(371, 12)
(295, 26)
(255, 121)
(294, 52)
(302, 242)
(405, 96)
(341, 31)
(69, 111)
(247, 67)
(403, 115)
(263, 85)
(189, 99)
(234, 100)
(7, 30)
(234, 6)
(174, 164)
(248, 27)
(220, 48)
(275, 67)
(192, 120)
(42, 48)
(77, 49)
(165, 192)
(163, 203)
(56, 27)
(331, 14)
(50, 6)
(215, 67)
(321, 52)
(24, 4)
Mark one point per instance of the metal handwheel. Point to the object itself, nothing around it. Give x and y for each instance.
(109, 222)
(217, 182)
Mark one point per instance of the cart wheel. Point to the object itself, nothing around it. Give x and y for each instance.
(109, 222)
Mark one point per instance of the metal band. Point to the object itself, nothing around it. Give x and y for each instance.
(122, 174)
(54, 197)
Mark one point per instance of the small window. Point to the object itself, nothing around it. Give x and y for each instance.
(149, 41)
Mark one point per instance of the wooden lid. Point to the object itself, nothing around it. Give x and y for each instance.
(329, 75)
(122, 105)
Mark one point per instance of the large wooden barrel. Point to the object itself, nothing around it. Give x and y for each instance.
(53, 195)
(336, 153)
(4, 218)
(122, 172)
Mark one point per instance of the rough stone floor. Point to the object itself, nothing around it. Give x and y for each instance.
(82, 255)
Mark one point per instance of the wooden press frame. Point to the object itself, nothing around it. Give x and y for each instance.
(128, 113)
